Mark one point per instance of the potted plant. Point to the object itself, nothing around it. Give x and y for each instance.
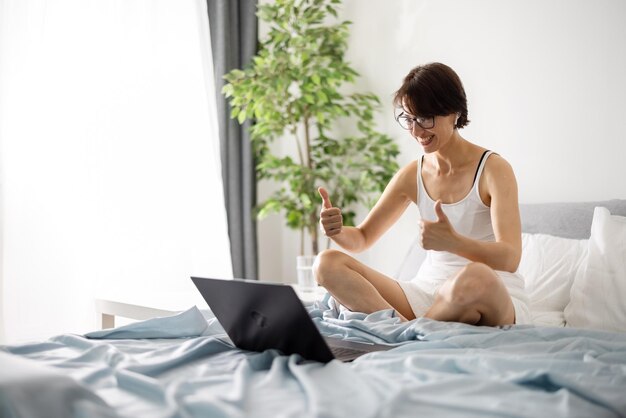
(294, 91)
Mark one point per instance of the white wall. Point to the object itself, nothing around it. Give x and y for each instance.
(545, 86)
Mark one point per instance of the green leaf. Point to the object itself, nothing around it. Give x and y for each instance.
(294, 219)
(306, 201)
(322, 97)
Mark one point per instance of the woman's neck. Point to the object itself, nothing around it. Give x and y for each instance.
(452, 155)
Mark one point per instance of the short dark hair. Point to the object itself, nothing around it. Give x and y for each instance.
(433, 90)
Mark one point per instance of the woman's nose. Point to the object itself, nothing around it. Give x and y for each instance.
(416, 130)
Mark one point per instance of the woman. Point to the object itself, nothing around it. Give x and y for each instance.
(470, 223)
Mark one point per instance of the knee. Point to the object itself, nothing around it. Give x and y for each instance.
(326, 264)
(472, 283)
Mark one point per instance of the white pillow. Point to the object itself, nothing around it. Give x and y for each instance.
(549, 265)
(598, 297)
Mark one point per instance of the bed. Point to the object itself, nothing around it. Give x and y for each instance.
(570, 363)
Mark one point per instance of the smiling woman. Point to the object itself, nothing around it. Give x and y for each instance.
(110, 164)
(469, 220)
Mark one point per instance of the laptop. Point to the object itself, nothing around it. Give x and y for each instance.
(258, 316)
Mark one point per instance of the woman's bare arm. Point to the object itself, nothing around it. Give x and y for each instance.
(401, 190)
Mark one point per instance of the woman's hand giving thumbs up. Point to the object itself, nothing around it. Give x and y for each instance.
(331, 221)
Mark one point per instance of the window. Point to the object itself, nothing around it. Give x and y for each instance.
(110, 178)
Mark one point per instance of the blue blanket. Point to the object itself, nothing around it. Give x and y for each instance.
(184, 366)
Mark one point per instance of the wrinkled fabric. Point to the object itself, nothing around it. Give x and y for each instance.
(436, 369)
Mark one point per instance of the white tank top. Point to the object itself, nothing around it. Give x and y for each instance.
(469, 217)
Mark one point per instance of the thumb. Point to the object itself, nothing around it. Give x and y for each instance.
(439, 211)
(325, 199)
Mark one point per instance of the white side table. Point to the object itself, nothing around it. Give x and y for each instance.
(165, 304)
(145, 306)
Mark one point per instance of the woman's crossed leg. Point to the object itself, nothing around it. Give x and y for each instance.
(475, 295)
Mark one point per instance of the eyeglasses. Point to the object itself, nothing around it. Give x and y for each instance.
(407, 121)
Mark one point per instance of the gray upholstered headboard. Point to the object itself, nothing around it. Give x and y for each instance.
(567, 220)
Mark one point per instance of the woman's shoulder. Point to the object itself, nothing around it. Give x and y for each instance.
(497, 163)
(497, 172)
(405, 180)
(408, 170)
(497, 176)
(407, 175)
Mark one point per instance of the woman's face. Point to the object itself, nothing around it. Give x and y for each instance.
(432, 138)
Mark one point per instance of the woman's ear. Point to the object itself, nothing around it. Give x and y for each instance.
(456, 119)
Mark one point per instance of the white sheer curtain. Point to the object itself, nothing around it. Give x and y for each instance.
(110, 177)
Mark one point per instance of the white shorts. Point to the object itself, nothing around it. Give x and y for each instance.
(421, 295)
